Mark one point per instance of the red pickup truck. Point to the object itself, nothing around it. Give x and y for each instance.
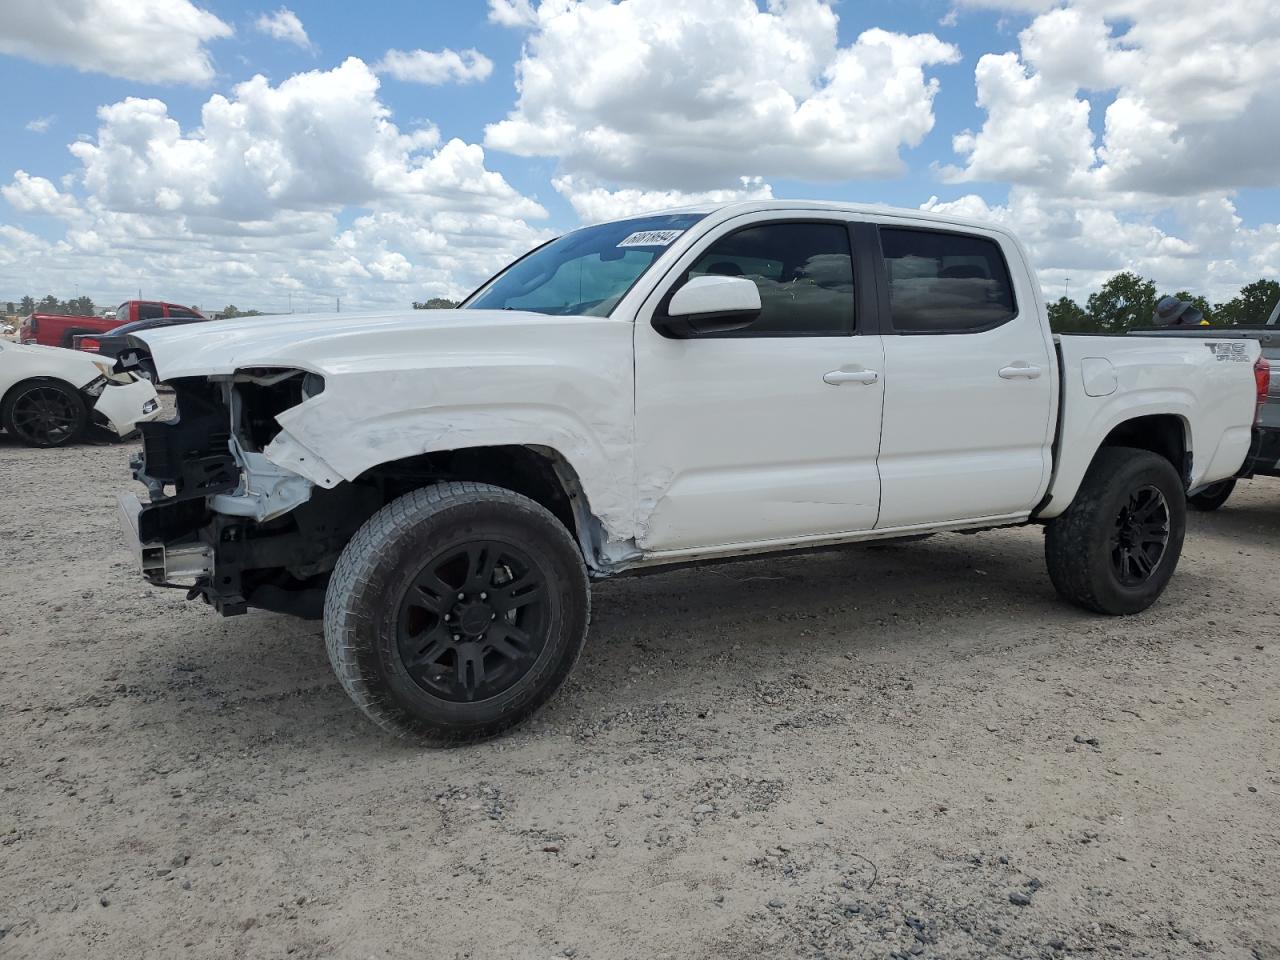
(58, 330)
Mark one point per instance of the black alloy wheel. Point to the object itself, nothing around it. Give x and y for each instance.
(456, 612)
(1114, 549)
(1141, 536)
(45, 413)
(473, 621)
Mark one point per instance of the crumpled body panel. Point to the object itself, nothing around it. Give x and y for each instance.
(398, 385)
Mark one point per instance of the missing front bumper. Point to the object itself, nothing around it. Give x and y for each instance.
(162, 564)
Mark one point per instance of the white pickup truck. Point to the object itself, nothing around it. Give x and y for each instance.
(685, 386)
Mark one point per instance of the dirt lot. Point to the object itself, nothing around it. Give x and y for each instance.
(899, 751)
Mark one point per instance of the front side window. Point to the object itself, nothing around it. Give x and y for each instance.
(804, 272)
(584, 273)
(945, 282)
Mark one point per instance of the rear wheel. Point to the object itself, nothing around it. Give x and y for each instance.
(456, 612)
(1213, 496)
(44, 412)
(1117, 545)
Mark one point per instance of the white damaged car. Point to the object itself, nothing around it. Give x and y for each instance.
(690, 386)
(49, 396)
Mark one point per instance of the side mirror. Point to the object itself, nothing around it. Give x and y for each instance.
(709, 304)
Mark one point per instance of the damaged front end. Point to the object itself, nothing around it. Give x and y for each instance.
(222, 519)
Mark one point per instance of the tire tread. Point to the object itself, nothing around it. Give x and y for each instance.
(352, 576)
(1070, 537)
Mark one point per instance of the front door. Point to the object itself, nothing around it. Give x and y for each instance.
(769, 433)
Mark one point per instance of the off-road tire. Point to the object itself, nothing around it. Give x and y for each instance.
(1213, 496)
(373, 573)
(1078, 544)
(74, 401)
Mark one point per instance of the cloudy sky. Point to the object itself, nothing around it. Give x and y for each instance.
(216, 152)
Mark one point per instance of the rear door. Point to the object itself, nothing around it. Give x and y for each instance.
(969, 378)
(769, 433)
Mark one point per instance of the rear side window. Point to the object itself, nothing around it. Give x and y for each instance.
(150, 311)
(804, 272)
(182, 313)
(946, 282)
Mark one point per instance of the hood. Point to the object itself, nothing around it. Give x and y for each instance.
(31, 359)
(340, 342)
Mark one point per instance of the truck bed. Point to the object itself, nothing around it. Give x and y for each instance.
(1107, 380)
(1264, 455)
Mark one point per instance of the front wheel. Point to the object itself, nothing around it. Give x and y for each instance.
(456, 611)
(1213, 496)
(44, 412)
(1115, 548)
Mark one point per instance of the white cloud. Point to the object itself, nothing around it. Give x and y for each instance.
(512, 13)
(1189, 96)
(433, 68)
(307, 188)
(594, 203)
(41, 124)
(664, 94)
(284, 25)
(319, 140)
(29, 194)
(152, 41)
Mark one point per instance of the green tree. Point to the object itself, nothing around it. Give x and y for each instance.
(1067, 316)
(1123, 302)
(28, 306)
(1252, 305)
(49, 304)
(231, 311)
(10, 308)
(435, 303)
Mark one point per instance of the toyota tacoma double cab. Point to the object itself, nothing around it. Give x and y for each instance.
(442, 486)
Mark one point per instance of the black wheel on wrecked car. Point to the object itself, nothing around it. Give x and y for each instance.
(456, 612)
(1115, 548)
(44, 412)
(1213, 496)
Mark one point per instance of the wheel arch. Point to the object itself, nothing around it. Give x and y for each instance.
(13, 388)
(541, 473)
(1162, 432)
(1167, 435)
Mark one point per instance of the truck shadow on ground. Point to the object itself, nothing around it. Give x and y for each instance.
(757, 620)
(1245, 523)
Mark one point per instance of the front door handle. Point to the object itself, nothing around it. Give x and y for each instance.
(1020, 368)
(837, 377)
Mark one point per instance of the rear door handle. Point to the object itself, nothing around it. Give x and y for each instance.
(837, 377)
(1020, 368)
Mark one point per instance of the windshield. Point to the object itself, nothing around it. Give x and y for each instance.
(584, 273)
(1274, 319)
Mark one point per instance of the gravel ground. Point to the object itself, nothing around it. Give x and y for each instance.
(902, 751)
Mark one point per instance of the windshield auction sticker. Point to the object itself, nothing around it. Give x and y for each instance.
(651, 238)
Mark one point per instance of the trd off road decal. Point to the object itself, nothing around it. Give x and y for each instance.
(1232, 351)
